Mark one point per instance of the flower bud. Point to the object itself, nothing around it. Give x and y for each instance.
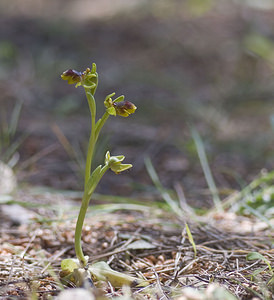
(115, 163)
(90, 79)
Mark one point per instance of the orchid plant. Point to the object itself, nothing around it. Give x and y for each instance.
(77, 269)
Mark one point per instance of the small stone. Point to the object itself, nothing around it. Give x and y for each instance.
(8, 181)
(78, 293)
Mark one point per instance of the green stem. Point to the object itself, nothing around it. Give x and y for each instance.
(78, 230)
(92, 139)
(81, 217)
(91, 145)
(100, 124)
(95, 131)
(90, 183)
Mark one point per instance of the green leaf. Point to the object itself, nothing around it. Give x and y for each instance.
(91, 102)
(260, 45)
(102, 272)
(257, 255)
(93, 178)
(69, 264)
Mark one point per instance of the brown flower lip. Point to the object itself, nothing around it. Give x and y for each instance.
(124, 104)
(124, 108)
(72, 76)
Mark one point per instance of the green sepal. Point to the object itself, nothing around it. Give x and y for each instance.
(110, 95)
(118, 168)
(119, 99)
(111, 111)
(117, 158)
(108, 101)
(109, 160)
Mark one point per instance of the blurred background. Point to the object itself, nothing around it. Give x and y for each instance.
(204, 64)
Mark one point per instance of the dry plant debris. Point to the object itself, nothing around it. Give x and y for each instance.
(148, 243)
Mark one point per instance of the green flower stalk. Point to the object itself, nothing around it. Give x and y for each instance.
(117, 107)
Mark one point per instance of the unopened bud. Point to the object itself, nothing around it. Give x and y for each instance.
(115, 163)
